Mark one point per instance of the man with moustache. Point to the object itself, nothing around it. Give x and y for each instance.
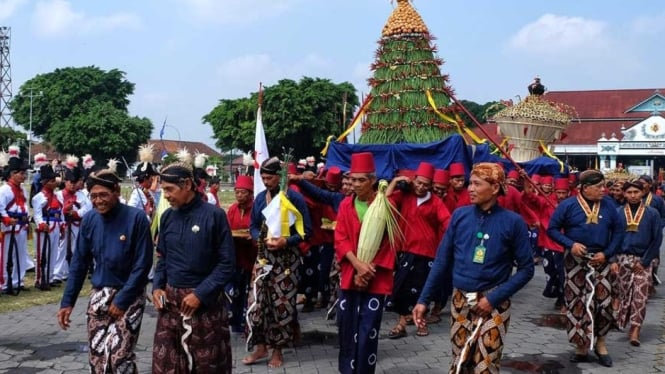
(196, 260)
(589, 229)
(117, 238)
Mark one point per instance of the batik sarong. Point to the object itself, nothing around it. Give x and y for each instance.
(272, 315)
(410, 277)
(358, 320)
(633, 291)
(555, 274)
(112, 342)
(201, 342)
(484, 354)
(577, 290)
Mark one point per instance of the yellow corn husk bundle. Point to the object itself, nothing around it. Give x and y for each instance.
(537, 108)
(404, 20)
(381, 216)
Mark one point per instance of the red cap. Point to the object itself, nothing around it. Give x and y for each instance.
(456, 169)
(441, 176)
(572, 177)
(406, 173)
(245, 182)
(292, 169)
(425, 170)
(362, 162)
(561, 184)
(334, 176)
(514, 174)
(536, 178)
(546, 179)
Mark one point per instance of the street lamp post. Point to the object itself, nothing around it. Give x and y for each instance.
(30, 130)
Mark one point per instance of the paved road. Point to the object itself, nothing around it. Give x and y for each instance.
(31, 342)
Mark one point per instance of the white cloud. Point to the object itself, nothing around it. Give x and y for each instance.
(9, 7)
(557, 35)
(235, 11)
(55, 18)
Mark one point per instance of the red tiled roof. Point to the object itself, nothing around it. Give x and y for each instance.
(46, 149)
(604, 103)
(589, 132)
(173, 146)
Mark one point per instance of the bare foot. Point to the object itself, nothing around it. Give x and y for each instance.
(276, 360)
(258, 354)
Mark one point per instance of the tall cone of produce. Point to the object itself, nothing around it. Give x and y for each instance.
(405, 69)
(532, 124)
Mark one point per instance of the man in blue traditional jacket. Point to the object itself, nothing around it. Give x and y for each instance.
(196, 261)
(641, 244)
(482, 243)
(272, 317)
(588, 228)
(117, 238)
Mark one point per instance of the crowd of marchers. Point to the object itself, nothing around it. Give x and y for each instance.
(468, 236)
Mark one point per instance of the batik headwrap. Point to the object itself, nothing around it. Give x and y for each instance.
(491, 173)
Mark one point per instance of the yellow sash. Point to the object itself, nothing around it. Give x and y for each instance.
(591, 214)
(633, 223)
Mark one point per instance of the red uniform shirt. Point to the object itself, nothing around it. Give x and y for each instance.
(512, 200)
(347, 233)
(423, 225)
(455, 199)
(245, 250)
(545, 210)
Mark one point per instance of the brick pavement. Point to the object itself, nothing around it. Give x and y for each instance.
(31, 342)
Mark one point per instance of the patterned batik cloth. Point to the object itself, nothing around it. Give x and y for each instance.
(112, 342)
(410, 277)
(272, 315)
(555, 274)
(484, 354)
(207, 345)
(577, 291)
(633, 291)
(358, 320)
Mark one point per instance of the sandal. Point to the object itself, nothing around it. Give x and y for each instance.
(422, 331)
(409, 320)
(397, 332)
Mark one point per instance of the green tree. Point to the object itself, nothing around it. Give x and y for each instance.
(102, 130)
(299, 115)
(82, 110)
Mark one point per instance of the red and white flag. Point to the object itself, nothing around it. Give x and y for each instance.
(260, 153)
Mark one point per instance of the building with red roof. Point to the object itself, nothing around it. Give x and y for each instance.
(612, 129)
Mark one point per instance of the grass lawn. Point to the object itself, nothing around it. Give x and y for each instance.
(35, 297)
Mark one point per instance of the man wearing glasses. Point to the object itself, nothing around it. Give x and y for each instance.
(117, 238)
(589, 229)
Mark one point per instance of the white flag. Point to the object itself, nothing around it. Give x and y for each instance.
(261, 153)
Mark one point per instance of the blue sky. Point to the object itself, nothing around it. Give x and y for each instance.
(185, 55)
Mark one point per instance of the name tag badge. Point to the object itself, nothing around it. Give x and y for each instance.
(479, 254)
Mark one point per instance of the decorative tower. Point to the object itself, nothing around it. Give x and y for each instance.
(405, 71)
(5, 77)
